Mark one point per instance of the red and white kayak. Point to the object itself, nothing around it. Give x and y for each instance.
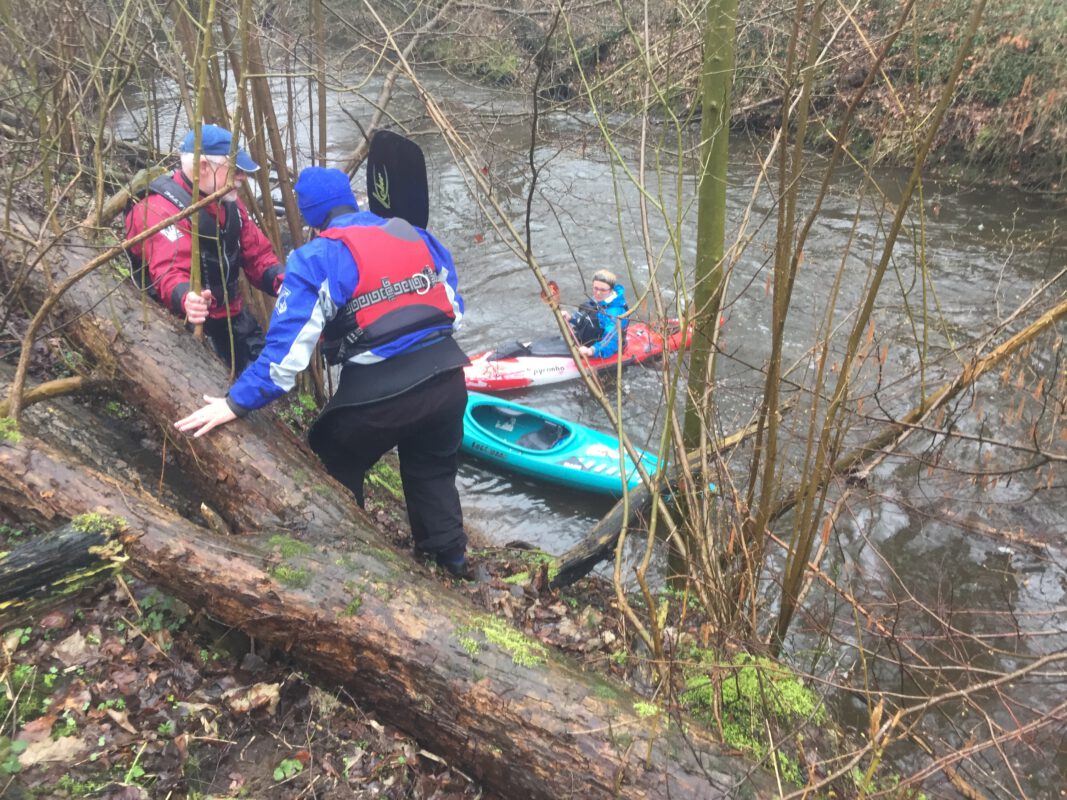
(548, 361)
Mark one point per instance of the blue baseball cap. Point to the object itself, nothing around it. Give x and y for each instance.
(216, 141)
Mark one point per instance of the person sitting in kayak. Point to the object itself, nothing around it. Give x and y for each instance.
(599, 320)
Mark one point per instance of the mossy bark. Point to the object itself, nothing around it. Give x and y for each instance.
(521, 720)
(54, 564)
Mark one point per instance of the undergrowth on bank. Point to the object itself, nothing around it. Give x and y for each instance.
(1008, 119)
(739, 698)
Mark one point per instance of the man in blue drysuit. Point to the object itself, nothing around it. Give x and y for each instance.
(382, 295)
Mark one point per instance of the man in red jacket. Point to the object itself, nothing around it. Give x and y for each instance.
(229, 241)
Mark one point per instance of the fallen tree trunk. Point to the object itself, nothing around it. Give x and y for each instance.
(72, 557)
(522, 721)
(519, 720)
(256, 473)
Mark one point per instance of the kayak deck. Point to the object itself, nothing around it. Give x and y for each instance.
(545, 447)
(519, 365)
(520, 429)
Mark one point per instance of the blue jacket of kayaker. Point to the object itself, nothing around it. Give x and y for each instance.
(321, 277)
(609, 314)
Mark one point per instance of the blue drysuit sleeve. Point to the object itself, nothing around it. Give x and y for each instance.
(308, 299)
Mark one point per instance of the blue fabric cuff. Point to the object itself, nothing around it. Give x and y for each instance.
(238, 409)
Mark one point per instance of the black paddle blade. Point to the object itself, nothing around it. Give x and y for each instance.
(396, 179)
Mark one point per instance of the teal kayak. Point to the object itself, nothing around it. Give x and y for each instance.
(542, 446)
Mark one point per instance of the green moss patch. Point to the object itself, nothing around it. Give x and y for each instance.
(536, 559)
(385, 476)
(289, 547)
(9, 430)
(98, 523)
(296, 577)
(524, 651)
(748, 691)
(353, 607)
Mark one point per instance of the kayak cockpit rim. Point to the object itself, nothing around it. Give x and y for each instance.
(517, 428)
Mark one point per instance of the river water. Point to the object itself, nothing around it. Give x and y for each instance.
(969, 568)
(926, 547)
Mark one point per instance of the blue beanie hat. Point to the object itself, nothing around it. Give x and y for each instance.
(319, 190)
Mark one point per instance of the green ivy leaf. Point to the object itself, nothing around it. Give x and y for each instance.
(287, 769)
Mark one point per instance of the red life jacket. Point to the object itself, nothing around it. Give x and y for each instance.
(399, 291)
(220, 250)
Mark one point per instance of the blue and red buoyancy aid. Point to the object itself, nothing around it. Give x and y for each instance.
(399, 291)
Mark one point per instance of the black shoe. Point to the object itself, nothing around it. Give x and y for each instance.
(464, 570)
(440, 559)
(456, 566)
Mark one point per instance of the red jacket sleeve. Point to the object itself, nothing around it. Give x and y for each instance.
(257, 256)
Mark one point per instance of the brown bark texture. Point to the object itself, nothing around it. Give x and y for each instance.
(524, 722)
(255, 473)
(312, 576)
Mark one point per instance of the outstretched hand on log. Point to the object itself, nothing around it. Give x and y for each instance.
(216, 412)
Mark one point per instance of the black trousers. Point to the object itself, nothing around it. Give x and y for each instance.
(248, 339)
(425, 424)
